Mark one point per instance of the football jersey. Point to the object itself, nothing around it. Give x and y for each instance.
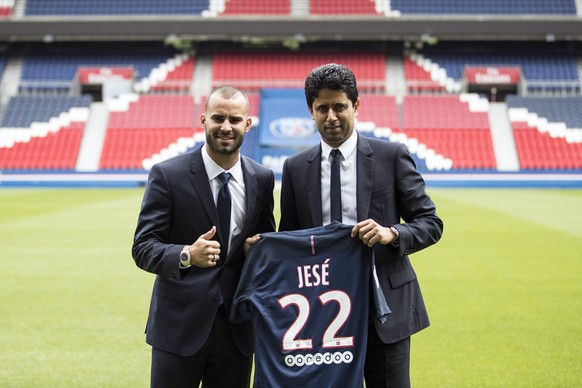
(309, 293)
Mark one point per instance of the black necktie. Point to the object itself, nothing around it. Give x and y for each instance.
(335, 187)
(223, 206)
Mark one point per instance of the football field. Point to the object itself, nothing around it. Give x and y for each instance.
(503, 289)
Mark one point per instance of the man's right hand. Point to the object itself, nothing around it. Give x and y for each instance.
(205, 252)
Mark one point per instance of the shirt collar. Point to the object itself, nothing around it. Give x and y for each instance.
(346, 148)
(213, 169)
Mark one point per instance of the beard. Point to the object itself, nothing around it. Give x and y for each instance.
(214, 142)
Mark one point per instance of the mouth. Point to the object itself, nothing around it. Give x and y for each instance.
(225, 137)
(333, 128)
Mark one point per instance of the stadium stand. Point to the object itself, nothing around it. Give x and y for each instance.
(539, 150)
(432, 112)
(256, 7)
(497, 7)
(55, 151)
(42, 132)
(448, 125)
(420, 80)
(547, 131)
(555, 109)
(54, 67)
(380, 109)
(6, 7)
(334, 7)
(115, 7)
(254, 70)
(173, 76)
(22, 111)
(150, 124)
(545, 67)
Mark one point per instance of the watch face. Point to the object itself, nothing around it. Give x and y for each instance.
(184, 258)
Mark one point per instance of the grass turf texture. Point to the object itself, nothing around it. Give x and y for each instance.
(502, 287)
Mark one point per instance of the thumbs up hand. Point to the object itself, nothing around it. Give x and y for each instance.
(205, 252)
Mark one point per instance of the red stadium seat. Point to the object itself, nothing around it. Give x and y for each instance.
(151, 124)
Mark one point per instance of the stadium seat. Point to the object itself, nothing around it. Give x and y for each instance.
(419, 79)
(547, 131)
(257, 7)
(272, 69)
(42, 132)
(56, 151)
(544, 67)
(22, 111)
(55, 68)
(152, 123)
(115, 7)
(342, 7)
(496, 7)
(379, 109)
(448, 126)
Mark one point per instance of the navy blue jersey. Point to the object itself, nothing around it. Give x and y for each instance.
(309, 292)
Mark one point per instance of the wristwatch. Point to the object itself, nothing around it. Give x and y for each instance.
(395, 231)
(185, 257)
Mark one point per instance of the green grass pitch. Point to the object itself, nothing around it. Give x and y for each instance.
(503, 288)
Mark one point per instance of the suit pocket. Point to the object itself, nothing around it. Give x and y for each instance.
(402, 276)
(174, 292)
(383, 197)
(382, 192)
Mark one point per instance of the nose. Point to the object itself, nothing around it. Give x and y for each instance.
(331, 115)
(226, 126)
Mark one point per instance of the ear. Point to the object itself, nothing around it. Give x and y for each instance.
(202, 120)
(356, 106)
(249, 124)
(310, 111)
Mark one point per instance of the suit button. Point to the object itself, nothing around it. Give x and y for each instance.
(215, 297)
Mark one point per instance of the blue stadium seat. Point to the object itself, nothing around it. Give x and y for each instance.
(551, 64)
(55, 66)
(115, 7)
(22, 111)
(532, 7)
(555, 109)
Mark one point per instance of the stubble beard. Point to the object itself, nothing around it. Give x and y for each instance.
(213, 143)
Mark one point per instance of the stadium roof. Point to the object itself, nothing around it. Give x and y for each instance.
(277, 28)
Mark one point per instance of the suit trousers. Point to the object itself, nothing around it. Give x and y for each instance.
(217, 364)
(387, 365)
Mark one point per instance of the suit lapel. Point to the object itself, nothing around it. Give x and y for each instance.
(365, 177)
(201, 186)
(313, 174)
(251, 187)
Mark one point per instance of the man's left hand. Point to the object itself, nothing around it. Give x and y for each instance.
(370, 232)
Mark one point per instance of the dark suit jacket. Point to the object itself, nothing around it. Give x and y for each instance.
(389, 189)
(177, 208)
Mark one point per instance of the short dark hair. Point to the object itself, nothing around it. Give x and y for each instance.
(331, 76)
(226, 92)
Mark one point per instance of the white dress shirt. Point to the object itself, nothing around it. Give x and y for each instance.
(237, 190)
(348, 177)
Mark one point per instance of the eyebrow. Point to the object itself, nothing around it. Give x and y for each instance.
(222, 116)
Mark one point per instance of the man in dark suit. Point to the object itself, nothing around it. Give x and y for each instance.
(200, 211)
(382, 195)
